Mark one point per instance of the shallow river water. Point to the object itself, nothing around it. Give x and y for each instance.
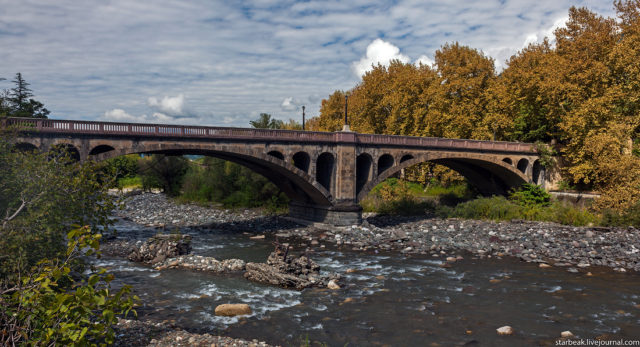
(389, 299)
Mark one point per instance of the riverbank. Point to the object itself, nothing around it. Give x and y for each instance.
(576, 248)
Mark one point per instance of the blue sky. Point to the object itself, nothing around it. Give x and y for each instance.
(223, 63)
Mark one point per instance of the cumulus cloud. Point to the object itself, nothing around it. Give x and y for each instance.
(424, 60)
(120, 115)
(378, 52)
(290, 104)
(168, 105)
(538, 36)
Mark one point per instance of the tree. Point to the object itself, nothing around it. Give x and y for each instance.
(466, 75)
(21, 103)
(265, 121)
(44, 297)
(164, 171)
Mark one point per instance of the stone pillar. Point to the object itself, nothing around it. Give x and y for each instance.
(345, 187)
(345, 209)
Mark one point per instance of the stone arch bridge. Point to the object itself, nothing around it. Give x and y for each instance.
(324, 174)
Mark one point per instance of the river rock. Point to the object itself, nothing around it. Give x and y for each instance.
(505, 330)
(231, 310)
(566, 334)
(160, 247)
(333, 285)
(287, 271)
(200, 263)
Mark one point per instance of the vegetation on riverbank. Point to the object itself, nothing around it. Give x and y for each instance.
(529, 202)
(52, 211)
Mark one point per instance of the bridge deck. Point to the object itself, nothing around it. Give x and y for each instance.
(182, 131)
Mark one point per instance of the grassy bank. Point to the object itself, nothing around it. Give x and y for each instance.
(397, 197)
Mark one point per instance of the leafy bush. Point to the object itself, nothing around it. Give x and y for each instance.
(529, 195)
(125, 166)
(50, 307)
(494, 208)
(630, 217)
(394, 196)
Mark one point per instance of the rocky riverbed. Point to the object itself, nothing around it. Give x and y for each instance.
(575, 248)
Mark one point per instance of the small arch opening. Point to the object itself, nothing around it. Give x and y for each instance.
(324, 170)
(101, 149)
(508, 161)
(522, 165)
(301, 160)
(276, 154)
(384, 162)
(405, 158)
(25, 147)
(363, 170)
(536, 173)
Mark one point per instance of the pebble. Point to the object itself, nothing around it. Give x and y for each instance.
(505, 330)
(566, 334)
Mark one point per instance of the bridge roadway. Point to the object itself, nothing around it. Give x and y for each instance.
(324, 174)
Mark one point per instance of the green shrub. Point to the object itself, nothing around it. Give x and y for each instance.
(125, 166)
(529, 195)
(49, 307)
(631, 217)
(494, 208)
(571, 215)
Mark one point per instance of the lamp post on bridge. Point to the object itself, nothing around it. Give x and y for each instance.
(345, 127)
(303, 118)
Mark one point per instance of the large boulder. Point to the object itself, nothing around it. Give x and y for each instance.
(160, 247)
(231, 310)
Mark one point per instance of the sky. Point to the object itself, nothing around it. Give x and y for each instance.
(222, 63)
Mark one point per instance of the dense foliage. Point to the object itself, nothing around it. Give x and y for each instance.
(581, 93)
(44, 297)
(233, 185)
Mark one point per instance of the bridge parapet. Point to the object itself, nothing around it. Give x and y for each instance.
(165, 130)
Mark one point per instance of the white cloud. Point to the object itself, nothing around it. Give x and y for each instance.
(424, 60)
(538, 36)
(119, 115)
(378, 52)
(169, 105)
(290, 104)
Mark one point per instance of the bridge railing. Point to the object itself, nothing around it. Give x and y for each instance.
(438, 142)
(165, 130)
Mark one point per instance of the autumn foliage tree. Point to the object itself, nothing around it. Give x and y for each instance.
(579, 90)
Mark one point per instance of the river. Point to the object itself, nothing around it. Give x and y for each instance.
(386, 298)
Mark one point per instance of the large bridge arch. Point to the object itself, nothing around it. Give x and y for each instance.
(297, 184)
(490, 176)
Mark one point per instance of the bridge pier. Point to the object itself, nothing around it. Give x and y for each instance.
(338, 215)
